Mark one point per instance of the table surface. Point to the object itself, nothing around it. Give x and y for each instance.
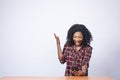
(56, 78)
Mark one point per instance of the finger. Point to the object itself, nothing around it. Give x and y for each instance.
(75, 74)
(55, 35)
(72, 71)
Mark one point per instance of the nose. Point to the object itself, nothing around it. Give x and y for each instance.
(77, 39)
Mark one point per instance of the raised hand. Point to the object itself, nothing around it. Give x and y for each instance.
(57, 39)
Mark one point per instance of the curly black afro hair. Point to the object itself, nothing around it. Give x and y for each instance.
(87, 37)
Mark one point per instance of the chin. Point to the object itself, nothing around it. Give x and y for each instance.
(77, 44)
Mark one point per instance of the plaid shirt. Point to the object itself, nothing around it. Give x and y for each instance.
(75, 58)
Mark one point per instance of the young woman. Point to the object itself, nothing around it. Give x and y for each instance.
(77, 50)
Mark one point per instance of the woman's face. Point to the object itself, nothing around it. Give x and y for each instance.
(77, 38)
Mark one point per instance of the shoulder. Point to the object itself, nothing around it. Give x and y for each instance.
(67, 48)
(88, 47)
(88, 50)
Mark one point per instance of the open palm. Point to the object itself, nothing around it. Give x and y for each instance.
(57, 39)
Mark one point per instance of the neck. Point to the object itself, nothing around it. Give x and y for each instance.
(77, 47)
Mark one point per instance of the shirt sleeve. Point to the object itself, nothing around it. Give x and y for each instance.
(87, 55)
(63, 58)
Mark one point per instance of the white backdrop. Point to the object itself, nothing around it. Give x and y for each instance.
(27, 44)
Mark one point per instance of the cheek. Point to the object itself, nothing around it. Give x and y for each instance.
(81, 39)
(74, 39)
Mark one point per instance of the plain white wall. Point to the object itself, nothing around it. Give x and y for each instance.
(27, 44)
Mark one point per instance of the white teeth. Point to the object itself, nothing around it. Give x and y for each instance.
(76, 42)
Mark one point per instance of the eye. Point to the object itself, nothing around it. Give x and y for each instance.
(74, 37)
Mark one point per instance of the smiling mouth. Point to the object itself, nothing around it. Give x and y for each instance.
(78, 42)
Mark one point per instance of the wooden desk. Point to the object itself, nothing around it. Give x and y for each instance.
(55, 78)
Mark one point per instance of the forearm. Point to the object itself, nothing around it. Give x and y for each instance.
(78, 73)
(59, 51)
(82, 73)
(58, 47)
